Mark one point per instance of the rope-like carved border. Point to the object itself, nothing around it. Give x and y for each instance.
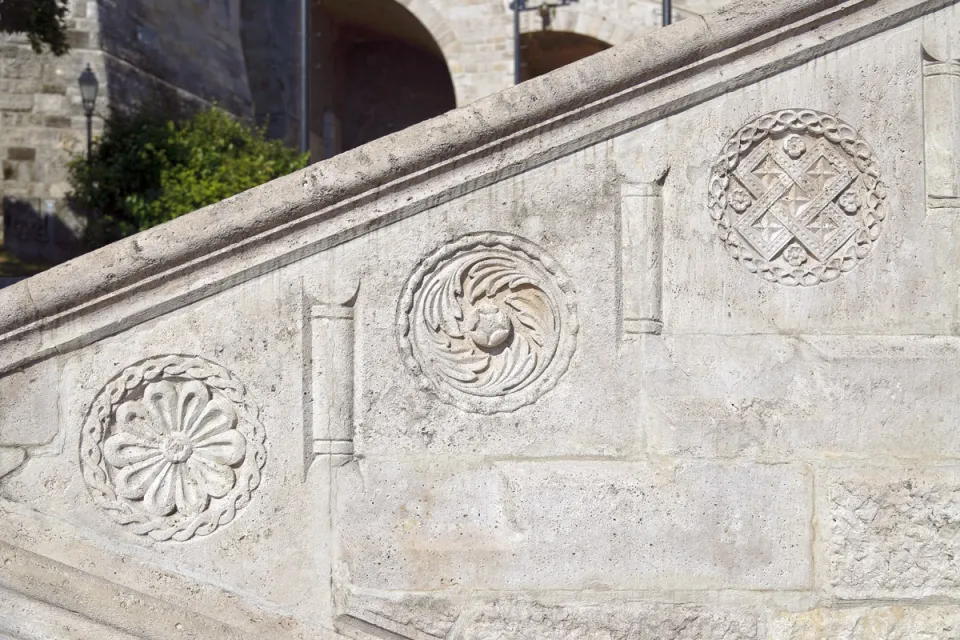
(835, 131)
(95, 432)
(567, 305)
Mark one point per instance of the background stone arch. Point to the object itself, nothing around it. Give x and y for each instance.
(444, 35)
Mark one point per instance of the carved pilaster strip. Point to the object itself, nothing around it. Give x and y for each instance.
(641, 257)
(941, 125)
(331, 386)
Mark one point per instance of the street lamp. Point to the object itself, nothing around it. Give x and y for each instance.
(545, 9)
(88, 95)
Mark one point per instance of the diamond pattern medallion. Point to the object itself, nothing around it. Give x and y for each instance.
(777, 185)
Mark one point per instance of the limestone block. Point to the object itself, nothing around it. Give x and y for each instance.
(10, 459)
(519, 619)
(29, 405)
(16, 102)
(776, 397)
(430, 615)
(892, 532)
(862, 623)
(423, 525)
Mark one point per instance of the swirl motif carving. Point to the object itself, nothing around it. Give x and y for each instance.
(488, 323)
(171, 448)
(797, 197)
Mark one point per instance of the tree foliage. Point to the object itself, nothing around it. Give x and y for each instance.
(147, 169)
(43, 22)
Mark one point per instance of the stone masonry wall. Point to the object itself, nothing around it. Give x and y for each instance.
(138, 49)
(42, 126)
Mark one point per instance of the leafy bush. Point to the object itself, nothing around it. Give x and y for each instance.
(43, 22)
(147, 169)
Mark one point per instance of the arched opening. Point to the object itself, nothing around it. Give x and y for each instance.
(543, 51)
(377, 70)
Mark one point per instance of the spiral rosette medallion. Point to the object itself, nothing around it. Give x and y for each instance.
(488, 323)
(797, 197)
(171, 448)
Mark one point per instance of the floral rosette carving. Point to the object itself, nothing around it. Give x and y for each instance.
(797, 197)
(171, 448)
(488, 323)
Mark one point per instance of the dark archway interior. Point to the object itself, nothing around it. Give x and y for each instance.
(543, 51)
(377, 70)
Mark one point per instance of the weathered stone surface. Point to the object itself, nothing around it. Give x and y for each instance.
(407, 614)
(11, 459)
(23, 617)
(894, 533)
(880, 623)
(777, 397)
(513, 619)
(430, 525)
(29, 409)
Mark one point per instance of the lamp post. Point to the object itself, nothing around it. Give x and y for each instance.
(546, 11)
(88, 95)
(667, 13)
(304, 76)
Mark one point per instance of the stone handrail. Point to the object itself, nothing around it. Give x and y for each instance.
(369, 167)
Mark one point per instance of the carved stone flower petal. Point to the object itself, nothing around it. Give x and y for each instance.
(133, 481)
(215, 417)
(160, 400)
(123, 449)
(134, 418)
(213, 478)
(191, 497)
(160, 498)
(227, 447)
(192, 400)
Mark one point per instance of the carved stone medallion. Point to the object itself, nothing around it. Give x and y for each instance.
(797, 197)
(171, 448)
(488, 322)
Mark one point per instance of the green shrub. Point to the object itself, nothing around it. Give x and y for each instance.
(43, 22)
(147, 169)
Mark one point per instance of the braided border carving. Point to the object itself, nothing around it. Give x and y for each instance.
(96, 430)
(444, 373)
(833, 130)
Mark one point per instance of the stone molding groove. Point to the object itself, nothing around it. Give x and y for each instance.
(506, 134)
(72, 594)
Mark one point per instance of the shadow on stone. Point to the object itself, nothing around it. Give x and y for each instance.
(36, 230)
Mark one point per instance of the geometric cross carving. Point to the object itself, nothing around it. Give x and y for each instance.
(796, 197)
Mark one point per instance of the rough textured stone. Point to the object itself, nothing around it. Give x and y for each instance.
(512, 619)
(894, 533)
(880, 623)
